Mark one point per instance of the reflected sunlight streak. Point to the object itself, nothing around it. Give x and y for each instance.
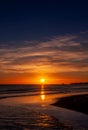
(42, 93)
(43, 97)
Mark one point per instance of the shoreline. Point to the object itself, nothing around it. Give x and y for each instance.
(74, 102)
(24, 116)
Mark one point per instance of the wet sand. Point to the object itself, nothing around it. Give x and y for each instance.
(75, 102)
(28, 113)
(33, 113)
(28, 117)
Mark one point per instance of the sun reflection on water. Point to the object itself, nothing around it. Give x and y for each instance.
(42, 93)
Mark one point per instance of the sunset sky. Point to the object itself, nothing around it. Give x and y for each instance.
(43, 39)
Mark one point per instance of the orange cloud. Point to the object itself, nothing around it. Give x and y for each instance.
(62, 54)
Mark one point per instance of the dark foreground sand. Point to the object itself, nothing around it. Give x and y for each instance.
(76, 102)
(23, 117)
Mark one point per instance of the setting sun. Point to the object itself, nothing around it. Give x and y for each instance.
(42, 80)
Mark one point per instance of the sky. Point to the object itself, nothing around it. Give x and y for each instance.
(43, 39)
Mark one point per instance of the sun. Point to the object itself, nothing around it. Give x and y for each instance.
(42, 80)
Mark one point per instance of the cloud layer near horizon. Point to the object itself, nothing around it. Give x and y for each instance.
(56, 55)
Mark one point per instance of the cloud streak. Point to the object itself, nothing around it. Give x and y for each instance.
(59, 54)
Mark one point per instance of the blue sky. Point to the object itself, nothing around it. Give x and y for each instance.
(36, 20)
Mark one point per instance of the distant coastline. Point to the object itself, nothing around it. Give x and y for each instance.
(80, 83)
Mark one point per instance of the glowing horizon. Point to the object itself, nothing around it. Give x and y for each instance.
(60, 60)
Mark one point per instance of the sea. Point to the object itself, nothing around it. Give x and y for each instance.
(48, 89)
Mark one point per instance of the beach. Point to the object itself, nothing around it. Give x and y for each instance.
(75, 102)
(26, 118)
(43, 108)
